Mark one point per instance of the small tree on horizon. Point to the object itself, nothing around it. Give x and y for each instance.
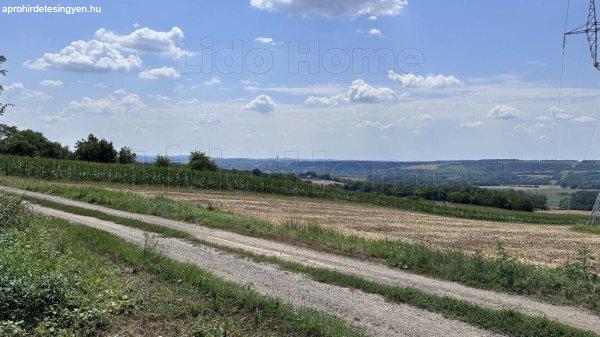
(201, 162)
(162, 161)
(3, 72)
(126, 156)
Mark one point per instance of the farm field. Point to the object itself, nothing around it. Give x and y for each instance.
(460, 267)
(86, 172)
(543, 244)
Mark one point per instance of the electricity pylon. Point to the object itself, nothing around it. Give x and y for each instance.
(590, 29)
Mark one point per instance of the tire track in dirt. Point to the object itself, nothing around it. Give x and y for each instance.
(573, 316)
(372, 313)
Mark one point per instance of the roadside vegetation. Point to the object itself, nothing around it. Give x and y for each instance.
(77, 171)
(48, 288)
(506, 322)
(60, 279)
(575, 283)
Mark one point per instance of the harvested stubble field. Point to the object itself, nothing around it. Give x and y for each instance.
(542, 244)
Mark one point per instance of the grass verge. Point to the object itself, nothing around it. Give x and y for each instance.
(507, 322)
(576, 283)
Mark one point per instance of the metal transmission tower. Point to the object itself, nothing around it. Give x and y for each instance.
(590, 29)
(595, 217)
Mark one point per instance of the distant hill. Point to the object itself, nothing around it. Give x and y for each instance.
(489, 172)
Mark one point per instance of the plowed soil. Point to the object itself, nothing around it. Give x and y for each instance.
(542, 244)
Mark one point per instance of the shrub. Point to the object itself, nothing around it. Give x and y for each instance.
(49, 290)
(13, 214)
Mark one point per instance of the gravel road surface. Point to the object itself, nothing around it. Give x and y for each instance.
(372, 313)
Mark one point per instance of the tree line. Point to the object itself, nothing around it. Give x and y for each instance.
(91, 149)
(580, 200)
(462, 194)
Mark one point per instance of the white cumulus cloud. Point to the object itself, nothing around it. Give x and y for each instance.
(530, 129)
(18, 87)
(265, 40)
(471, 125)
(162, 72)
(375, 32)
(325, 101)
(333, 8)
(15, 86)
(86, 56)
(359, 91)
(584, 119)
(110, 52)
(429, 81)
(262, 103)
(52, 83)
(503, 112)
(215, 80)
(108, 104)
(144, 40)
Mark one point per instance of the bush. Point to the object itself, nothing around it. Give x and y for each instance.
(13, 214)
(48, 289)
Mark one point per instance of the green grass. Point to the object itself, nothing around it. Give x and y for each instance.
(586, 229)
(50, 289)
(507, 322)
(77, 171)
(60, 279)
(574, 283)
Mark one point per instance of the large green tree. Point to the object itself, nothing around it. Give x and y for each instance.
(126, 156)
(96, 150)
(4, 106)
(29, 143)
(201, 162)
(162, 161)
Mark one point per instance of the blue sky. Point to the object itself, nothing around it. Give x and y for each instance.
(482, 83)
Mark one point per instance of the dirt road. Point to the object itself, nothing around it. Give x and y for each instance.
(575, 317)
(541, 244)
(369, 312)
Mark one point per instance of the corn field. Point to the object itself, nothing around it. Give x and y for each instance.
(78, 171)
